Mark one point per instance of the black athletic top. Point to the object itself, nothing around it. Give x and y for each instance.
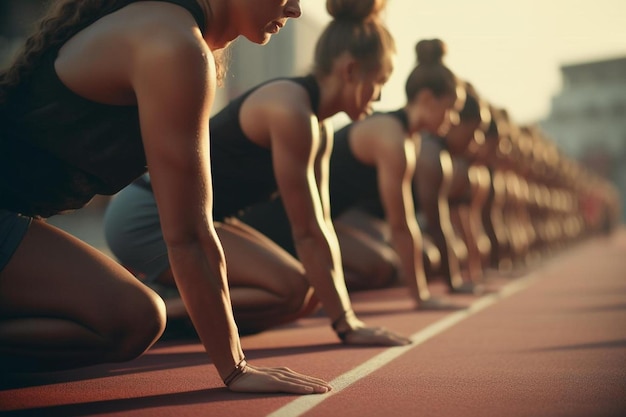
(351, 183)
(242, 170)
(57, 149)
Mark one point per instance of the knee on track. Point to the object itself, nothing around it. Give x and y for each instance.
(137, 328)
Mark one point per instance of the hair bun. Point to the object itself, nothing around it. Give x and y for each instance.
(359, 10)
(430, 51)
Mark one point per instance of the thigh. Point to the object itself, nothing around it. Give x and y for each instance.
(358, 219)
(364, 253)
(255, 260)
(53, 274)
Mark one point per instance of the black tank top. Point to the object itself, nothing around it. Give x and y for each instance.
(353, 183)
(242, 171)
(57, 149)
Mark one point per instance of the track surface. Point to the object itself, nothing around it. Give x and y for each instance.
(549, 342)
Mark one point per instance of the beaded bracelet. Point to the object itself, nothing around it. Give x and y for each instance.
(239, 370)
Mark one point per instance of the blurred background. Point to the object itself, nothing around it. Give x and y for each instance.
(560, 64)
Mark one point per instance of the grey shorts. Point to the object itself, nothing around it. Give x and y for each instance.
(133, 233)
(13, 227)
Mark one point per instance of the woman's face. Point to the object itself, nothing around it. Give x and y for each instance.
(476, 145)
(487, 152)
(459, 136)
(441, 114)
(365, 90)
(267, 17)
(437, 114)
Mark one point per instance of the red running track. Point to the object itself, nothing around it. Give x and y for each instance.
(551, 342)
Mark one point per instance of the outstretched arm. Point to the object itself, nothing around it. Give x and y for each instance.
(394, 156)
(432, 182)
(296, 148)
(174, 83)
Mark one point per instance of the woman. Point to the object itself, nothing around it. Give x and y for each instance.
(432, 181)
(374, 160)
(435, 184)
(469, 189)
(85, 107)
(271, 140)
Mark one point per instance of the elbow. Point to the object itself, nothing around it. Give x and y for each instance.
(188, 238)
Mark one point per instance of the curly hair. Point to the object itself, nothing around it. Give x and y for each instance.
(64, 19)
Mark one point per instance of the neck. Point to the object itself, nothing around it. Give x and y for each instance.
(220, 30)
(416, 125)
(330, 96)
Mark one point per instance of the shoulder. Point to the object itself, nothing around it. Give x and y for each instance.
(175, 60)
(379, 139)
(174, 45)
(380, 131)
(282, 98)
(164, 33)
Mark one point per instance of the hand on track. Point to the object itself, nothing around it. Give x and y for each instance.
(270, 380)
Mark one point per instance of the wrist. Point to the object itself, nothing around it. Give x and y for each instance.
(236, 372)
(343, 324)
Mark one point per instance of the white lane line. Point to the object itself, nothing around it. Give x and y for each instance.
(305, 403)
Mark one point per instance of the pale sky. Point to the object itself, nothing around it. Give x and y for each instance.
(511, 51)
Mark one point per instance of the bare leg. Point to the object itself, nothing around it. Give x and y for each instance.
(64, 304)
(366, 223)
(267, 285)
(368, 263)
(474, 257)
(371, 264)
(432, 256)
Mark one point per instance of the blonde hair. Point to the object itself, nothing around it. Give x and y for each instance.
(356, 28)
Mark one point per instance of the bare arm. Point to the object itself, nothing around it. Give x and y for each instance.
(432, 182)
(394, 156)
(322, 167)
(175, 89)
(295, 143)
(395, 176)
(174, 81)
(299, 155)
(445, 221)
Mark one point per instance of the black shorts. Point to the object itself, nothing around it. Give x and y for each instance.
(13, 227)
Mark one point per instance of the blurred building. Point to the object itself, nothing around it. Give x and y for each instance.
(588, 118)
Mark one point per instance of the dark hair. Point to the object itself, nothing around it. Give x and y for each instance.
(430, 72)
(357, 29)
(495, 124)
(505, 144)
(64, 19)
(475, 108)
